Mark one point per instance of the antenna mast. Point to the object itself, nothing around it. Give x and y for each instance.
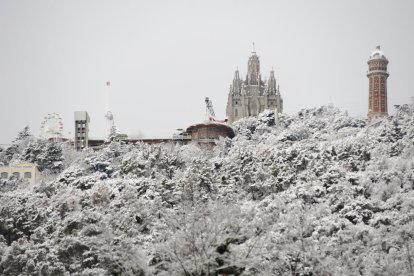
(108, 114)
(108, 84)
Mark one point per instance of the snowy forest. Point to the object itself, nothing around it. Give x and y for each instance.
(314, 193)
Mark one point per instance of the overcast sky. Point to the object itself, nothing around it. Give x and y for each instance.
(164, 57)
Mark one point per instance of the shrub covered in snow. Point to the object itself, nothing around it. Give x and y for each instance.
(315, 193)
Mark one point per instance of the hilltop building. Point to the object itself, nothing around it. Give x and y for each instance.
(81, 130)
(377, 75)
(253, 95)
(209, 132)
(28, 172)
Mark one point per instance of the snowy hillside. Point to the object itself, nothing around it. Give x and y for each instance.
(317, 193)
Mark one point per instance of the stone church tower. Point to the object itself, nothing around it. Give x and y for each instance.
(377, 75)
(253, 95)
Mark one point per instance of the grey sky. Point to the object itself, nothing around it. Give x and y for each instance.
(164, 57)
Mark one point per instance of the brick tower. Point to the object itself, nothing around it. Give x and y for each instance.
(377, 75)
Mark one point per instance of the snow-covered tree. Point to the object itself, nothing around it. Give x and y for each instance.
(46, 154)
(317, 193)
(14, 151)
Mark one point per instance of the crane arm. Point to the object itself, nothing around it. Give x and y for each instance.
(209, 106)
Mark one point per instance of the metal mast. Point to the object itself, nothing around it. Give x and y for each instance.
(108, 114)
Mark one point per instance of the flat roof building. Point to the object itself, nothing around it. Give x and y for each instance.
(28, 172)
(81, 130)
(209, 132)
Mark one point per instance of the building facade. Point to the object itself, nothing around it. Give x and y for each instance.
(209, 132)
(81, 130)
(28, 172)
(377, 75)
(251, 96)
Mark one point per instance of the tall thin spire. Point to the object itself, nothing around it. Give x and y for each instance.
(271, 83)
(253, 69)
(236, 87)
(254, 48)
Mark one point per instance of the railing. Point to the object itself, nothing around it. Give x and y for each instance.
(181, 137)
(207, 140)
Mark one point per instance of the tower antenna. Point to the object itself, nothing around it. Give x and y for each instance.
(108, 84)
(254, 49)
(108, 114)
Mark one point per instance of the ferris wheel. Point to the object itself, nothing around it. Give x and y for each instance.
(51, 127)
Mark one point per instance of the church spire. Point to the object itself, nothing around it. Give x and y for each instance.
(236, 86)
(271, 83)
(252, 95)
(253, 69)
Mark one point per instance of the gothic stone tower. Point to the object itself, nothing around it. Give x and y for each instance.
(377, 75)
(253, 95)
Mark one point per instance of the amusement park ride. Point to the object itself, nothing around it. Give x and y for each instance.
(51, 127)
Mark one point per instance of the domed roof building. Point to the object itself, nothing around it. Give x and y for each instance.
(377, 54)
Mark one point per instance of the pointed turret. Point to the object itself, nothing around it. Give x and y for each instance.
(271, 83)
(237, 84)
(253, 69)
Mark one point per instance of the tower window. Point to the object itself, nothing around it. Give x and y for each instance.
(27, 175)
(4, 175)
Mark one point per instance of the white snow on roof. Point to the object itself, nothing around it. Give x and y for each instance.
(377, 53)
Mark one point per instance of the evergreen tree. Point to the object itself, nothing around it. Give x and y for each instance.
(23, 135)
(46, 154)
(318, 194)
(17, 146)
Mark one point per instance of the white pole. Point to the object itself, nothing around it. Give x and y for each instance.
(108, 114)
(107, 96)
